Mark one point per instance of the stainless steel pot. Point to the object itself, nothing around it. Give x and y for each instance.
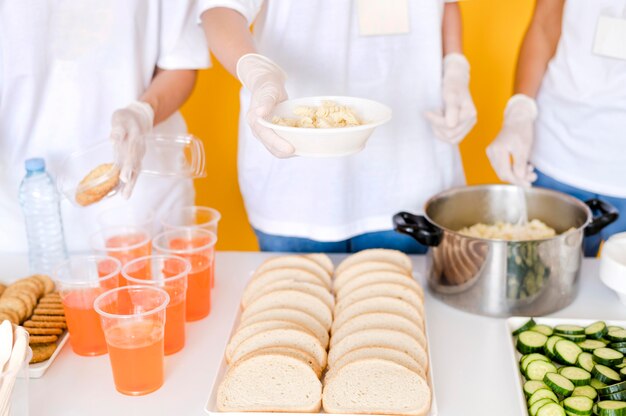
(504, 278)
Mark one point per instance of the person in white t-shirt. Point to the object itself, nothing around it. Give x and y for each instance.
(568, 115)
(405, 54)
(74, 73)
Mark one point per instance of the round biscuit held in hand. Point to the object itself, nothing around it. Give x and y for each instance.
(101, 188)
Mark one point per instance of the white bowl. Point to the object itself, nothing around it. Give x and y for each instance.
(613, 265)
(321, 142)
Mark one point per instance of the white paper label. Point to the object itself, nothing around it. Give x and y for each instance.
(611, 37)
(383, 17)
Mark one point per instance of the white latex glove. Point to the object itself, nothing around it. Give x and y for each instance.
(129, 126)
(458, 116)
(266, 81)
(515, 141)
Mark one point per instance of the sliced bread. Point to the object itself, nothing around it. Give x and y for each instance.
(270, 383)
(381, 289)
(359, 268)
(376, 386)
(318, 291)
(377, 254)
(387, 338)
(290, 315)
(281, 337)
(323, 260)
(292, 299)
(396, 356)
(246, 332)
(297, 262)
(292, 352)
(379, 321)
(378, 277)
(378, 304)
(260, 281)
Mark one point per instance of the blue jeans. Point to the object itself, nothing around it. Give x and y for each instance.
(380, 239)
(591, 244)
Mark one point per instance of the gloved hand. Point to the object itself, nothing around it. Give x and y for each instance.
(266, 81)
(128, 128)
(515, 141)
(458, 116)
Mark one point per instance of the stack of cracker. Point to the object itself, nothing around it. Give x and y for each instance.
(32, 303)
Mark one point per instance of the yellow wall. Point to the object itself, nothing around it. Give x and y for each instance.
(493, 30)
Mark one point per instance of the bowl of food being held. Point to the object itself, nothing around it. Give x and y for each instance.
(327, 126)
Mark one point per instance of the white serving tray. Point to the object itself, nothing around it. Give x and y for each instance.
(211, 405)
(37, 370)
(517, 321)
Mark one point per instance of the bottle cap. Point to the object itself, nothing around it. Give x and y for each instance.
(36, 164)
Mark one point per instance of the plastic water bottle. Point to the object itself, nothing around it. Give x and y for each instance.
(42, 212)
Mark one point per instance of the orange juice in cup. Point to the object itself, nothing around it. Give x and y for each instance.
(169, 273)
(198, 247)
(133, 320)
(204, 218)
(80, 280)
(125, 243)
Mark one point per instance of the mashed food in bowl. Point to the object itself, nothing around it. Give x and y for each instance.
(328, 115)
(533, 230)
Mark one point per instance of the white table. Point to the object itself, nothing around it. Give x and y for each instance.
(470, 356)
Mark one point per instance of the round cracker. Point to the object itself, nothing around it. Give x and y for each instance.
(92, 188)
(42, 339)
(41, 352)
(47, 282)
(11, 317)
(15, 304)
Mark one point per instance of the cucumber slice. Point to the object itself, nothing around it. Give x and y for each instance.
(569, 330)
(543, 329)
(586, 391)
(576, 375)
(542, 394)
(532, 410)
(527, 359)
(579, 405)
(574, 338)
(619, 346)
(613, 328)
(622, 373)
(589, 345)
(607, 356)
(612, 388)
(596, 330)
(551, 409)
(532, 386)
(537, 370)
(585, 361)
(618, 335)
(597, 384)
(559, 384)
(611, 408)
(567, 352)
(525, 327)
(549, 347)
(605, 374)
(531, 342)
(620, 396)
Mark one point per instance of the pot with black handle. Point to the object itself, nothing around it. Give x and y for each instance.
(500, 277)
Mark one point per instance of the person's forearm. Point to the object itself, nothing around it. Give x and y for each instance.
(168, 91)
(228, 36)
(452, 28)
(539, 46)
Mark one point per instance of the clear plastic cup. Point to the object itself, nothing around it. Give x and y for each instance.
(193, 217)
(198, 247)
(125, 243)
(127, 215)
(170, 274)
(80, 280)
(133, 320)
(14, 387)
(166, 155)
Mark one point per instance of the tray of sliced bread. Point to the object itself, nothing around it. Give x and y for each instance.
(310, 338)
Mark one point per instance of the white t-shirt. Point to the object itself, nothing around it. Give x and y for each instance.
(581, 129)
(317, 43)
(65, 67)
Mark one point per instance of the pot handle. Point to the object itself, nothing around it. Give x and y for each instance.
(607, 214)
(418, 227)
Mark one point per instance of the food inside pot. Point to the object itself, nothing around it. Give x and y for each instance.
(533, 230)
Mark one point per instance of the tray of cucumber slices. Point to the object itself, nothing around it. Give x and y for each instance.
(570, 367)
